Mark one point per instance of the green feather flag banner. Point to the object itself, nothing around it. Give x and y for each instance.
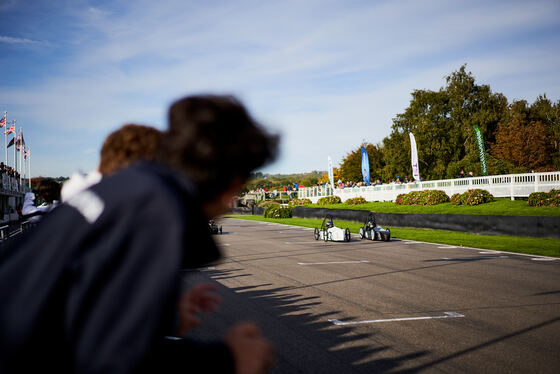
(480, 143)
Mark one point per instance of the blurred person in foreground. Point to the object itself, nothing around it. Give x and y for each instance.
(95, 287)
(133, 143)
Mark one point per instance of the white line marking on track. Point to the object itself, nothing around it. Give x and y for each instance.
(334, 262)
(447, 246)
(467, 258)
(308, 229)
(489, 252)
(543, 259)
(447, 315)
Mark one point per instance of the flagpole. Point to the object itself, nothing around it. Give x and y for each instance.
(15, 155)
(21, 171)
(29, 168)
(6, 137)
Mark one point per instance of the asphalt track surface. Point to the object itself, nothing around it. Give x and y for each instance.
(385, 307)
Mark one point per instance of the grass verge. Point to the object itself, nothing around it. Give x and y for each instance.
(500, 207)
(516, 244)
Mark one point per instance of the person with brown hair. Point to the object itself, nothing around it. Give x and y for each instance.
(129, 144)
(95, 287)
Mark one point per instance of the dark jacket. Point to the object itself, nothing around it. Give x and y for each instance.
(94, 286)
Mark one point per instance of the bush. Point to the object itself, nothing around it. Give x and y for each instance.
(296, 202)
(399, 199)
(277, 211)
(456, 199)
(427, 197)
(328, 200)
(355, 201)
(435, 197)
(472, 197)
(551, 198)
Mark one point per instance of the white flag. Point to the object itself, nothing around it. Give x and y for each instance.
(414, 158)
(331, 175)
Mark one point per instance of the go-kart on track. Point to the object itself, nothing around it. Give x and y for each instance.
(374, 307)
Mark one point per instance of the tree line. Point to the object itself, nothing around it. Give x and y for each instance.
(519, 137)
(278, 181)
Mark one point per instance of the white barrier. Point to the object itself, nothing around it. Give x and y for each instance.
(509, 185)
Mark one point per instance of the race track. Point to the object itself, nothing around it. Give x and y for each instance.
(379, 307)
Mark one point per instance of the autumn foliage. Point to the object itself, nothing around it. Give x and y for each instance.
(525, 145)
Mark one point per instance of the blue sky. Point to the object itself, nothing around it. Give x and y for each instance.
(326, 75)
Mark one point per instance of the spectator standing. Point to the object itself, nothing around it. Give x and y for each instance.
(129, 144)
(95, 287)
(48, 190)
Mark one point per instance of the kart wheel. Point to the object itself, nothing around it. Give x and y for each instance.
(347, 235)
(316, 232)
(220, 230)
(326, 235)
(376, 236)
(362, 233)
(388, 235)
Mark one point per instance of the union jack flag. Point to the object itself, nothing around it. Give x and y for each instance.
(3, 120)
(26, 153)
(10, 130)
(19, 142)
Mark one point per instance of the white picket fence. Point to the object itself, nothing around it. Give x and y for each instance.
(509, 185)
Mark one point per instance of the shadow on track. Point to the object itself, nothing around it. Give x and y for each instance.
(305, 341)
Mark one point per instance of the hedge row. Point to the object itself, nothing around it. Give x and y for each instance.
(277, 211)
(551, 198)
(428, 197)
(327, 200)
(472, 197)
(296, 202)
(355, 201)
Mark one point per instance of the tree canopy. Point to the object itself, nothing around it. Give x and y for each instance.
(518, 137)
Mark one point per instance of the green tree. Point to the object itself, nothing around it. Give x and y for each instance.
(442, 123)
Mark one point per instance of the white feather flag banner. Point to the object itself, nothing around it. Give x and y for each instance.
(414, 158)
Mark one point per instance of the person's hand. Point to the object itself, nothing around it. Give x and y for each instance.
(251, 352)
(199, 299)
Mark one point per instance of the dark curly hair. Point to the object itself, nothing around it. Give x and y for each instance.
(215, 141)
(49, 190)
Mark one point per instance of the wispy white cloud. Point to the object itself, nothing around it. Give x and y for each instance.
(12, 40)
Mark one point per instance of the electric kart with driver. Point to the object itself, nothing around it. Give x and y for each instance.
(370, 230)
(329, 232)
(214, 228)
